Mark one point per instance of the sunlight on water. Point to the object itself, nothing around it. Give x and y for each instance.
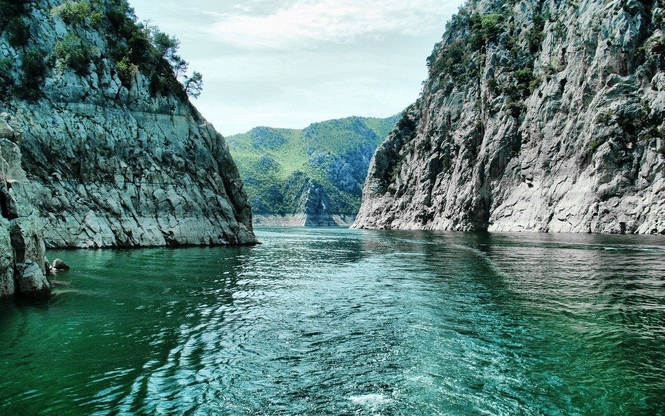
(335, 321)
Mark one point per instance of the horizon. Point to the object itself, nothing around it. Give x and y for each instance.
(299, 63)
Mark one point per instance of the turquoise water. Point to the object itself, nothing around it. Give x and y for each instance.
(347, 322)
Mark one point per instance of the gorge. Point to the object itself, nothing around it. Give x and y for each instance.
(542, 116)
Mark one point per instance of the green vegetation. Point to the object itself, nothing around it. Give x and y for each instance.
(451, 60)
(72, 12)
(134, 48)
(140, 48)
(338, 136)
(526, 82)
(34, 71)
(594, 145)
(6, 80)
(458, 60)
(455, 59)
(18, 32)
(485, 28)
(194, 85)
(127, 71)
(277, 164)
(34, 66)
(12, 21)
(535, 35)
(74, 53)
(10, 10)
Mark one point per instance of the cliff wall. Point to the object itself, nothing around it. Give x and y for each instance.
(536, 116)
(115, 155)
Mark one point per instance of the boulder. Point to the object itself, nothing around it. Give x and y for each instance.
(31, 281)
(48, 269)
(59, 265)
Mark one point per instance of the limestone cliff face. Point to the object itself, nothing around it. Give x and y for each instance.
(115, 154)
(536, 116)
(22, 261)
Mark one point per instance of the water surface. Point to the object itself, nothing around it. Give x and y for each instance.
(348, 322)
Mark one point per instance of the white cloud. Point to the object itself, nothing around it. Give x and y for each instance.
(294, 90)
(289, 63)
(306, 23)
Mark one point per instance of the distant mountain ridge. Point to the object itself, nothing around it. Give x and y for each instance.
(309, 177)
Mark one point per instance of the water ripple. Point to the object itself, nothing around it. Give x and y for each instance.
(337, 322)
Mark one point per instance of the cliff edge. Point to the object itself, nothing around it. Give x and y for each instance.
(536, 116)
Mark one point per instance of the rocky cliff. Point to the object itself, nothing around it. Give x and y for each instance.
(114, 153)
(22, 260)
(308, 177)
(536, 116)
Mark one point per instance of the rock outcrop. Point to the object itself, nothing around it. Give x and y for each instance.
(315, 206)
(115, 154)
(22, 250)
(536, 116)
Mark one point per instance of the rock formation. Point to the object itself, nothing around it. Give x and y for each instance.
(22, 248)
(536, 116)
(114, 152)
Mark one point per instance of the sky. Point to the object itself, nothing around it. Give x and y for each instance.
(290, 63)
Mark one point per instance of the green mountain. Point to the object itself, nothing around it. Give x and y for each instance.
(315, 174)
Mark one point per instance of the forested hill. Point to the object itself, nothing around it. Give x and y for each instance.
(312, 176)
(539, 115)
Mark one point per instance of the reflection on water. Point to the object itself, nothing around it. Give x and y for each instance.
(333, 321)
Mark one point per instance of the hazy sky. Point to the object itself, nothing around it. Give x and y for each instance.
(294, 62)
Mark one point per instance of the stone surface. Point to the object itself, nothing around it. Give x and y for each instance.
(31, 281)
(299, 220)
(6, 132)
(7, 286)
(60, 265)
(557, 128)
(22, 249)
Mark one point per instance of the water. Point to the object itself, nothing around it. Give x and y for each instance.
(344, 322)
